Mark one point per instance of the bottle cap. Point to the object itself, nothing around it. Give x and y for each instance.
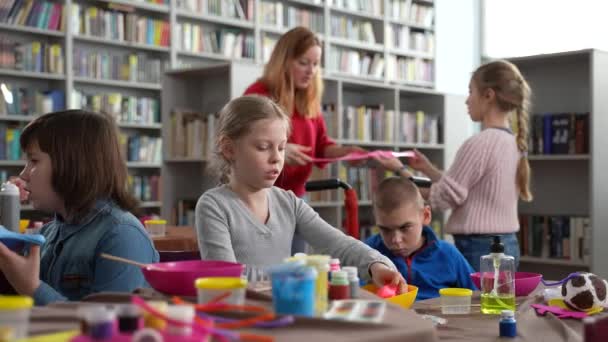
(334, 261)
(497, 246)
(507, 314)
(339, 277)
(10, 188)
(351, 271)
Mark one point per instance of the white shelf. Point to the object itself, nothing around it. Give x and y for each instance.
(31, 30)
(143, 165)
(125, 44)
(150, 204)
(185, 160)
(427, 84)
(357, 13)
(355, 44)
(307, 3)
(19, 118)
(140, 5)
(390, 144)
(410, 24)
(140, 125)
(411, 53)
(245, 24)
(552, 261)
(12, 162)
(558, 157)
(31, 74)
(212, 55)
(116, 83)
(353, 76)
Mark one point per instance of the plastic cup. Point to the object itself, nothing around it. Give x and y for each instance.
(156, 227)
(229, 290)
(455, 301)
(15, 316)
(293, 289)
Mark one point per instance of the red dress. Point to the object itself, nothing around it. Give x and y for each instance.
(309, 132)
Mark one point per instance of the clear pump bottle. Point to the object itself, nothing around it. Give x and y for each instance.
(497, 280)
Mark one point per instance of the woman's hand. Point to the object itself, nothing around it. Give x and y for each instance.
(393, 164)
(24, 195)
(23, 273)
(420, 162)
(383, 275)
(297, 154)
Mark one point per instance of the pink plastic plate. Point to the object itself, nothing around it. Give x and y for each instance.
(525, 282)
(177, 277)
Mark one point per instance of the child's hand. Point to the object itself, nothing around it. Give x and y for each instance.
(23, 273)
(382, 275)
(20, 183)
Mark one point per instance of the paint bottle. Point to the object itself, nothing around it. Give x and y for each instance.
(101, 324)
(507, 324)
(339, 287)
(129, 318)
(353, 280)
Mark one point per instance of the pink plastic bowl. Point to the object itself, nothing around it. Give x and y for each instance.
(525, 282)
(177, 278)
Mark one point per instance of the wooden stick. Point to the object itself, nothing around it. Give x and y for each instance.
(119, 259)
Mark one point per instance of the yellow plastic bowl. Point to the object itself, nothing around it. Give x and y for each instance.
(404, 300)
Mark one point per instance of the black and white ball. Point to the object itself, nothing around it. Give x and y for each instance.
(585, 292)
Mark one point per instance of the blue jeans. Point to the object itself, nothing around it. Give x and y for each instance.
(473, 247)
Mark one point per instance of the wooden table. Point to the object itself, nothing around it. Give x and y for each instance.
(177, 238)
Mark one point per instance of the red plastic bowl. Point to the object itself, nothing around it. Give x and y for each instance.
(177, 278)
(525, 282)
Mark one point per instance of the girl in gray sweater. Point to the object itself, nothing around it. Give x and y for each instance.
(250, 221)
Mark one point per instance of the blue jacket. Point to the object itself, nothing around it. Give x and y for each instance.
(70, 265)
(435, 265)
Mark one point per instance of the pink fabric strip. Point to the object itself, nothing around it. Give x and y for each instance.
(366, 155)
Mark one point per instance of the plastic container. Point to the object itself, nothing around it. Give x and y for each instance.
(339, 287)
(10, 206)
(507, 327)
(229, 290)
(497, 280)
(321, 265)
(293, 289)
(353, 280)
(404, 300)
(15, 315)
(455, 301)
(156, 227)
(182, 313)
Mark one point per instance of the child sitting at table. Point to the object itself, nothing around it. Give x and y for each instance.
(405, 238)
(74, 169)
(249, 220)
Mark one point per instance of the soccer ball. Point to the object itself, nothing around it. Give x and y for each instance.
(585, 292)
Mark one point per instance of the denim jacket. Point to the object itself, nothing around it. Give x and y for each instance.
(70, 265)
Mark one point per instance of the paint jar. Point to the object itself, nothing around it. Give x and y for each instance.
(321, 265)
(353, 280)
(293, 289)
(101, 324)
(156, 227)
(182, 313)
(339, 288)
(508, 325)
(151, 321)
(229, 290)
(455, 301)
(15, 316)
(129, 318)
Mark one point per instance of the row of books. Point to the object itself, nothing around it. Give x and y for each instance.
(268, 43)
(411, 12)
(363, 180)
(192, 134)
(274, 14)
(373, 7)
(39, 14)
(124, 108)
(559, 133)
(560, 237)
(141, 148)
(145, 188)
(402, 38)
(409, 69)
(117, 66)
(240, 9)
(351, 28)
(31, 56)
(119, 26)
(356, 62)
(184, 212)
(9, 142)
(19, 100)
(231, 43)
(374, 123)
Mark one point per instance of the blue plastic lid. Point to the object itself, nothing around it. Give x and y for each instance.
(293, 268)
(14, 240)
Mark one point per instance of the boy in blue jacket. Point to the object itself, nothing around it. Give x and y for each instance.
(405, 237)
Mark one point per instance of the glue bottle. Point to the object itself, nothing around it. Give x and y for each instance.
(497, 280)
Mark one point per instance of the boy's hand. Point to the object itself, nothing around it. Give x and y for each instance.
(20, 183)
(382, 275)
(23, 273)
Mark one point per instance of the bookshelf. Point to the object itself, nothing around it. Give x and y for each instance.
(569, 183)
(206, 89)
(92, 41)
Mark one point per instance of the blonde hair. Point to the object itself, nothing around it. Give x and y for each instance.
(396, 192)
(235, 121)
(512, 94)
(277, 74)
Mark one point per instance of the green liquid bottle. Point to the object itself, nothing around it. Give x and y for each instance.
(497, 280)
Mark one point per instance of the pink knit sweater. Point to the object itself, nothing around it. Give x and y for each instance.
(480, 186)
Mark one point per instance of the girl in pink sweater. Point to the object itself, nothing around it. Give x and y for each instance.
(490, 171)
